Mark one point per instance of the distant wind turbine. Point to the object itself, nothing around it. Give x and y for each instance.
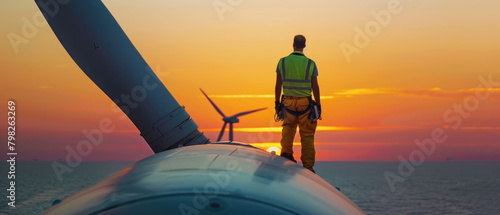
(231, 119)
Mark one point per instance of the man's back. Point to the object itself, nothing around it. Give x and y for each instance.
(297, 75)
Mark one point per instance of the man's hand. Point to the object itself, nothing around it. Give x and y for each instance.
(277, 106)
(279, 111)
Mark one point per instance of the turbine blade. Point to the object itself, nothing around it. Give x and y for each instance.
(213, 104)
(247, 112)
(222, 132)
(98, 45)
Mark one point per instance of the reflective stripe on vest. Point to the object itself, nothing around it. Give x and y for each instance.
(298, 85)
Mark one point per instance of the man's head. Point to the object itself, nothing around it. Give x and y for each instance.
(299, 43)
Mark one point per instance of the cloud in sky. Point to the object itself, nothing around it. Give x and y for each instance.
(478, 143)
(319, 128)
(422, 93)
(331, 128)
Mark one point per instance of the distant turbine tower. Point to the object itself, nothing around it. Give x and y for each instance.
(231, 119)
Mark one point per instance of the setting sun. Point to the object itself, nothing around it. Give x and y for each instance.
(275, 149)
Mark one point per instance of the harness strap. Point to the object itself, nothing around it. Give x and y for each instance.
(298, 113)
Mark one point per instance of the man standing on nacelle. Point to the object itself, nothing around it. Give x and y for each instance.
(297, 74)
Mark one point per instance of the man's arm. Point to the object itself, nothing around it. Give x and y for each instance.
(277, 89)
(315, 88)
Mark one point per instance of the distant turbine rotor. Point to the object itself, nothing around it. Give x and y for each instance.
(231, 119)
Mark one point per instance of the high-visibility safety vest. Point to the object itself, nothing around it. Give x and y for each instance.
(296, 72)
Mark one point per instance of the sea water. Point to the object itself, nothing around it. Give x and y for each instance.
(432, 188)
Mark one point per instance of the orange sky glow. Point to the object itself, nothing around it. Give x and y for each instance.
(423, 71)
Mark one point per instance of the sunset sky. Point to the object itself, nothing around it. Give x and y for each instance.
(427, 60)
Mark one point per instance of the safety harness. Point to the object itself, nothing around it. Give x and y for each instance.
(298, 113)
(313, 115)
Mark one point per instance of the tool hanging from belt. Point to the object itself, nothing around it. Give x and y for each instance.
(280, 110)
(315, 114)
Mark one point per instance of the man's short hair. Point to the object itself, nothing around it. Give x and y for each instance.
(299, 41)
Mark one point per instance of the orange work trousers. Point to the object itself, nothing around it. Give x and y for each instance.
(306, 130)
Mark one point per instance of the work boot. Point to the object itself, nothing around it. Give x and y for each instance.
(288, 156)
(311, 169)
